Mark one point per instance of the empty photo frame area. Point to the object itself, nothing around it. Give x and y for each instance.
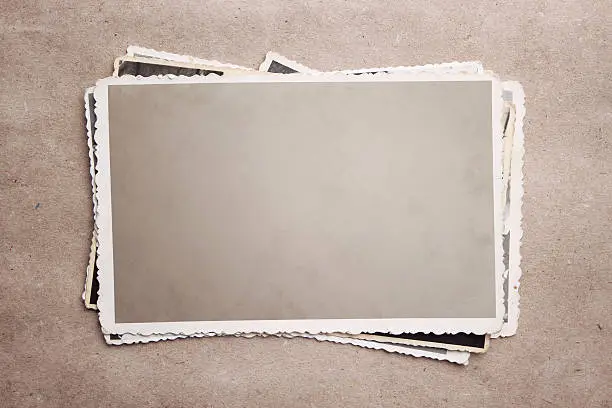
(327, 204)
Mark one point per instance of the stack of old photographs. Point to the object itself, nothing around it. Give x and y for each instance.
(376, 207)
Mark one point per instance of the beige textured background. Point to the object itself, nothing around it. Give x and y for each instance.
(51, 350)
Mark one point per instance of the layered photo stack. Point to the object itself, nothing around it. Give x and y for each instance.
(375, 207)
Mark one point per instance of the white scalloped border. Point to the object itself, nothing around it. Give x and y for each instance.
(415, 343)
(457, 357)
(516, 214)
(411, 325)
(172, 63)
(134, 51)
(455, 67)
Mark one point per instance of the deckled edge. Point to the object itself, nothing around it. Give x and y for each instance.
(457, 357)
(458, 67)
(416, 343)
(171, 63)
(516, 215)
(422, 325)
(134, 50)
(92, 253)
(449, 67)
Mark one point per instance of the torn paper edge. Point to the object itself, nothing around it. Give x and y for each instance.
(457, 357)
(418, 343)
(178, 64)
(515, 216)
(354, 326)
(135, 51)
(448, 67)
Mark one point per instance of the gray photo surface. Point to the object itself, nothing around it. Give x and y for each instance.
(290, 200)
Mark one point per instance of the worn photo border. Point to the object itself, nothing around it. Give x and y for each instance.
(315, 326)
(457, 357)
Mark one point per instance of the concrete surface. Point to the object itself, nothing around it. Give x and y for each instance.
(51, 349)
